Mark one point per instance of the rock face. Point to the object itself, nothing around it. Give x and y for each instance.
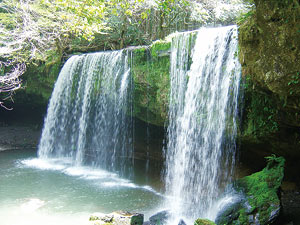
(260, 204)
(150, 69)
(270, 51)
(117, 218)
(151, 72)
(160, 218)
(270, 57)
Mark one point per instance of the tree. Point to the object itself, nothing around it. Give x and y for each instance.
(10, 81)
(33, 31)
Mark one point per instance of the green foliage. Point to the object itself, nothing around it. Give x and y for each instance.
(258, 193)
(261, 190)
(151, 79)
(261, 113)
(160, 47)
(203, 222)
(293, 82)
(245, 16)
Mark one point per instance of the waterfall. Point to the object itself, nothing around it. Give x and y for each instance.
(87, 118)
(200, 152)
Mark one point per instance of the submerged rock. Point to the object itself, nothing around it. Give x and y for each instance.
(261, 204)
(162, 217)
(117, 218)
(203, 222)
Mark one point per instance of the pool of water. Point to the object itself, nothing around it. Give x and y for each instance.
(35, 191)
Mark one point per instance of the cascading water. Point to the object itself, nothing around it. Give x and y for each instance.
(200, 152)
(86, 119)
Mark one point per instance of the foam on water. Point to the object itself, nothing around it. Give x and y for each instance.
(32, 205)
(100, 177)
(22, 215)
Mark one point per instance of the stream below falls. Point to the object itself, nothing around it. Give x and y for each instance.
(38, 191)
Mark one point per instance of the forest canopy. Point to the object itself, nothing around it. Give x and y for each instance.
(45, 30)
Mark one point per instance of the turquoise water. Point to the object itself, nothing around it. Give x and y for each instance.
(35, 191)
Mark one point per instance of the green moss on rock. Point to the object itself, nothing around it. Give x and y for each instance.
(269, 52)
(39, 80)
(151, 73)
(151, 83)
(261, 114)
(203, 222)
(260, 204)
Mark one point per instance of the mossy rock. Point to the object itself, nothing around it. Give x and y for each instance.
(261, 204)
(151, 83)
(204, 222)
(151, 73)
(269, 53)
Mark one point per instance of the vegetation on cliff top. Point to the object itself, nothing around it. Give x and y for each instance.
(35, 32)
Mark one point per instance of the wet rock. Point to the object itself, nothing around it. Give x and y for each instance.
(261, 204)
(117, 218)
(231, 212)
(160, 218)
(181, 222)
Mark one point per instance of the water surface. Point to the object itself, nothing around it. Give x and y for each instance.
(35, 191)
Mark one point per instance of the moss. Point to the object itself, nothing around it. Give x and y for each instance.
(203, 222)
(261, 114)
(261, 191)
(38, 82)
(269, 40)
(151, 80)
(258, 202)
(160, 47)
(151, 72)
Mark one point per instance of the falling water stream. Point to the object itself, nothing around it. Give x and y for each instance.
(85, 156)
(202, 121)
(86, 148)
(86, 120)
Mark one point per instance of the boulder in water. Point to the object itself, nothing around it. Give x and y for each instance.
(117, 218)
(160, 218)
(181, 222)
(261, 204)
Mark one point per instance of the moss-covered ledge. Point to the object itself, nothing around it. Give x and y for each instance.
(150, 69)
(259, 202)
(151, 73)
